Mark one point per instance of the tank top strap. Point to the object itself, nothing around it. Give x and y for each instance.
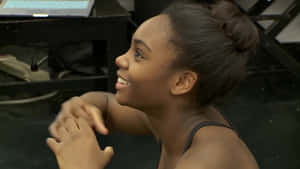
(197, 127)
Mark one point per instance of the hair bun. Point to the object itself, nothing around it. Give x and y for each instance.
(201, 1)
(206, 1)
(236, 25)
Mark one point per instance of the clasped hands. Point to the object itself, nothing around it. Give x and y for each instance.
(73, 139)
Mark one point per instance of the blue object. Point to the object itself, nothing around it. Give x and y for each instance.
(46, 4)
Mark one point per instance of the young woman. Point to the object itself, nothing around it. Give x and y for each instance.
(179, 64)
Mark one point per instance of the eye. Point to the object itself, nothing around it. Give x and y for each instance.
(138, 55)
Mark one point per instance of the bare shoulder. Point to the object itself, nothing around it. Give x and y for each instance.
(217, 148)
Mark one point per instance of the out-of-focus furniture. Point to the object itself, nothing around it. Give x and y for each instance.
(108, 22)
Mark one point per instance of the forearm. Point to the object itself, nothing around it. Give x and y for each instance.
(116, 116)
(98, 99)
(101, 101)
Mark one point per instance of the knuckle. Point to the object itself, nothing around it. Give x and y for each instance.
(64, 105)
(61, 115)
(76, 99)
(94, 109)
(52, 129)
(70, 101)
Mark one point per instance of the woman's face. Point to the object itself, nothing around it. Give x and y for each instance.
(145, 73)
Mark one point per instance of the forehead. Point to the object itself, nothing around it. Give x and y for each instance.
(155, 32)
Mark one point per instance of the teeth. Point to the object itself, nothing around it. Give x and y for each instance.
(120, 80)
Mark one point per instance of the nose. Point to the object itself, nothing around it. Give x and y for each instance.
(121, 61)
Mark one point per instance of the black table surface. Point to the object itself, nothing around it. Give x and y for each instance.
(29, 29)
(104, 8)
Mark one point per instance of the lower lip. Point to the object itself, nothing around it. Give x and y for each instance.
(120, 86)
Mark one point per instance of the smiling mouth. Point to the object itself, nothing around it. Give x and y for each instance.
(122, 81)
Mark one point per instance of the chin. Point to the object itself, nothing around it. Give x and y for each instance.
(121, 99)
(124, 101)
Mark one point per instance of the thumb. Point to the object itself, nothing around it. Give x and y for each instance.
(53, 145)
(98, 121)
(109, 153)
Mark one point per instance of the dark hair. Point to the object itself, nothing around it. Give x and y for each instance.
(214, 39)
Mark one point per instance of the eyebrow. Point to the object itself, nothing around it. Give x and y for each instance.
(138, 41)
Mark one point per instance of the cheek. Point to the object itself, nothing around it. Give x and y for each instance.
(147, 75)
(149, 82)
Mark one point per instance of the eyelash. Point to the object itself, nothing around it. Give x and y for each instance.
(138, 55)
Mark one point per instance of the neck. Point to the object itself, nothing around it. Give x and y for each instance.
(172, 125)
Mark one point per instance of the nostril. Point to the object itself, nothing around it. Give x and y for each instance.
(121, 62)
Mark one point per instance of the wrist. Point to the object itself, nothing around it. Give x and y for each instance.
(85, 97)
(105, 110)
(94, 99)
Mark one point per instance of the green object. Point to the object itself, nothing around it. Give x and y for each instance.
(10, 65)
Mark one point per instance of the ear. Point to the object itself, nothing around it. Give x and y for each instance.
(183, 82)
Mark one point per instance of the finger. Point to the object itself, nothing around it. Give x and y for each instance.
(76, 113)
(77, 104)
(83, 125)
(68, 107)
(65, 110)
(60, 116)
(77, 100)
(109, 153)
(97, 119)
(54, 125)
(62, 133)
(71, 125)
(53, 145)
(81, 112)
(60, 121)
(53, 129)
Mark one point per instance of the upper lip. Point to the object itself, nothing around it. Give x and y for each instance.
(121, 76)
